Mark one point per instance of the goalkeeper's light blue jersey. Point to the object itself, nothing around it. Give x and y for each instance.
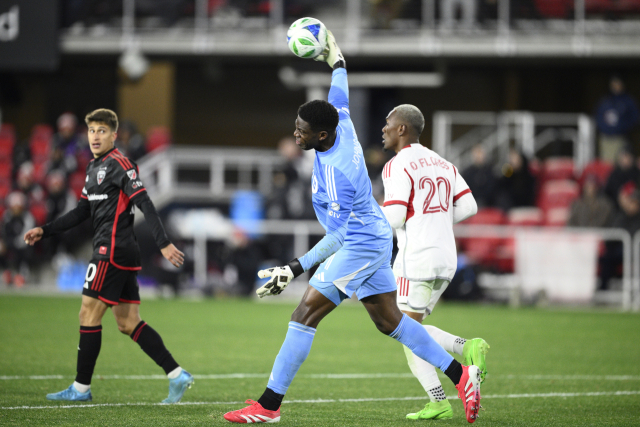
(340, 183)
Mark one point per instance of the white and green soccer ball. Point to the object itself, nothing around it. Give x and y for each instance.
(307, 37)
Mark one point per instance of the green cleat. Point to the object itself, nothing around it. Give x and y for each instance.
(474, 352)
(433, 411)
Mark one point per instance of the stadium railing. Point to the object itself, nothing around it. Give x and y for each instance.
(182, 173)
(531, 132)
(579, 31)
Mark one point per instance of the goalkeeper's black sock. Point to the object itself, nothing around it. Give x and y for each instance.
(88, 351)
(454, 372)
(270, 400)
(151, 343)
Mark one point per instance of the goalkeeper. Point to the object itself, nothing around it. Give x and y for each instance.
(354, 255)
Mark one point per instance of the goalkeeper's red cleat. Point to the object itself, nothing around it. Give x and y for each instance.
(253, 414)
(469, 391)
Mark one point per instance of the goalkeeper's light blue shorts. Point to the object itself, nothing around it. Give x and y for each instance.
(363, 271)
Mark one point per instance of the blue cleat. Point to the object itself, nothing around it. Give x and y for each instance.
(178, 386)
(70, 394)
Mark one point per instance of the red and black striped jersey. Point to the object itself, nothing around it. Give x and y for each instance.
(112, 187)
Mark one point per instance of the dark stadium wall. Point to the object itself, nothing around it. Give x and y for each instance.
(237, 102)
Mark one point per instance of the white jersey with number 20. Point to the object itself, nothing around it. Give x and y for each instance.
(428, 186)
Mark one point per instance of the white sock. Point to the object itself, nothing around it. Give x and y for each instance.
(449, 342)
(426, 374)
(82, 388)
(175, 373)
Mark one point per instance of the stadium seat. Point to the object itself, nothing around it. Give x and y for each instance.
(554, 8)
(40, 171)
(558, 194)
(483, 250)
(7, 141)
(39, 212)
(557, 217)
(558, 168)
(158, 138)
(76, 182)
(525, 216)
(6, 168)
(599, 168)
(488, 216)
(5, 189)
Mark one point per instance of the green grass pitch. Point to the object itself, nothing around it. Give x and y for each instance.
(547, 367)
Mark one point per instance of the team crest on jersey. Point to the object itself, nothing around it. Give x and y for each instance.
(335, 206)
(132, 174)
(314, 184)
(101, 175)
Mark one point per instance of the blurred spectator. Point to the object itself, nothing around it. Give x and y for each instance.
(242, 258)
(385, 11)
(60, 162)
(26, 184)
(291, 198)
(468, 12)
(592, 209)
(616, 116)
(517, 186)
(625, 171)
(16, 221)
(375, 159)
(480, 178)
(130, 142)
(628, 218)
(67, 138)
(60, 200)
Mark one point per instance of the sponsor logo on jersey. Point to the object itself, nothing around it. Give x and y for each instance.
(314, 184)
(102, 250)
(92, 197)
(136, 184)
(132, 174)
(333, 214)
(335, 206)
(100, 176)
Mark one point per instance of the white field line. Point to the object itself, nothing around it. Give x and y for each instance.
(328, 376)
(380, 399)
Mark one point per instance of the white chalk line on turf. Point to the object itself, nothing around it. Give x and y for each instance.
(326, 376)
(366, 399)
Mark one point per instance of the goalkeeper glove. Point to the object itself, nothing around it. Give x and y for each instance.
(279, 278)
(332, 54)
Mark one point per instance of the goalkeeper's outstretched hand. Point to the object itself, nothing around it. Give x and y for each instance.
(332, 55)
(280, 277)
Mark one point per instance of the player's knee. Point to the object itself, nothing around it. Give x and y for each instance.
(384, 326)
(125, 328)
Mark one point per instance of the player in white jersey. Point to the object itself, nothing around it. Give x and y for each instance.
(424, 196)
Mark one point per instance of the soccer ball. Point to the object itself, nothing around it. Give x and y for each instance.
(307, 37)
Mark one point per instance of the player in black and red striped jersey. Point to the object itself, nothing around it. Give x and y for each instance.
(112, 189)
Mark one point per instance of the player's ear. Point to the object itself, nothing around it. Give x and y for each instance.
(322, 135)
(402, 129)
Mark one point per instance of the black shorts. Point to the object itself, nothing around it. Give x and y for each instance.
(110, 284)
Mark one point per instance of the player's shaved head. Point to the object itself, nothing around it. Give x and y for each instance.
(411, 116)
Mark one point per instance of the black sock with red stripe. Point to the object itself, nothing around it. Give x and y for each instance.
(88, 351)
(151, 343)
(454, 372)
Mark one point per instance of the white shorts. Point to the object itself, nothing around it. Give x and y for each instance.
(419, 297)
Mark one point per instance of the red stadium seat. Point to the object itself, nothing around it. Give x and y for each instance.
(525, 216)
(76, 182)
(599, 168)
(558, 194)
(554, 8)
(558, 168)
(488, 216)
(40, 171)
(158, 138)
(39, 212)
(7, 141)
(483, 250)
(557, 217)
(5, 188)
(6, 169)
